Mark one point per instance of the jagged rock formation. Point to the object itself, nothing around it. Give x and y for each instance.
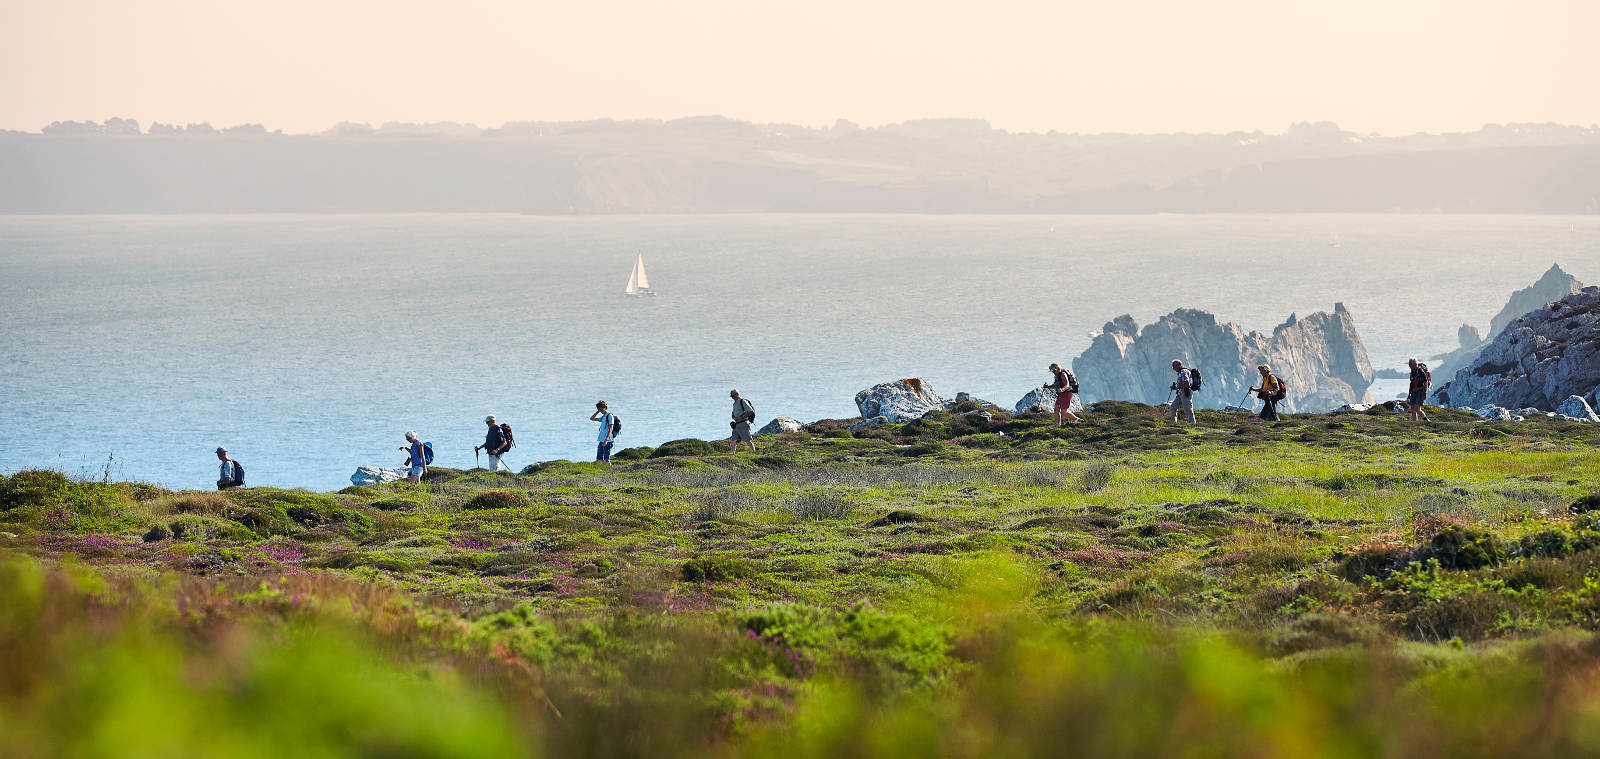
(1321, 359)
(780, 425)
(899, 401)
(377, 475)
(1044, 399)
(1553, 285)
(1538, 360)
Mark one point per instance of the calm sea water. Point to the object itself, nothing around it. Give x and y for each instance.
(308, 344)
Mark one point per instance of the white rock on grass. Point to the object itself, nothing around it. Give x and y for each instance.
(900, 401)
(377, 475)
(1577, 408)
(1044, 399)
(780, 425)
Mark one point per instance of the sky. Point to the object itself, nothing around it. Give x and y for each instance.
(1390, 66)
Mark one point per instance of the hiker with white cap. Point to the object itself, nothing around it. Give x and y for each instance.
(417, 455)
(231, 473)
(495, 443)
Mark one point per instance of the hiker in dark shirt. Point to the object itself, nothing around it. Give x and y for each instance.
(495, 444)
(230, 474)
(1065, 386)
(1417, 395)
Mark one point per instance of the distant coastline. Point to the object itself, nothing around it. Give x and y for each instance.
(717, 165)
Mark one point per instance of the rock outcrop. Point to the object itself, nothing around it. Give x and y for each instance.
(1575, 407)
(780, 425)
(377, 475)
(1044, 399)
(899, 401)
(1538, 360)
(1320, 358)
(1554, 285)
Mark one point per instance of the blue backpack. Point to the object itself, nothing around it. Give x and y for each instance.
(427, 453)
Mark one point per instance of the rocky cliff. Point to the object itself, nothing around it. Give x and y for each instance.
(1537, 361)
(1554, 285)
(1320, 357)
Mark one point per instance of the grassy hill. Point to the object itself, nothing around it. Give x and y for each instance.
(1329, 585)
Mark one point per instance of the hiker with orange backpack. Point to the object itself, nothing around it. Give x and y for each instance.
(1271, 391)
(496, 442)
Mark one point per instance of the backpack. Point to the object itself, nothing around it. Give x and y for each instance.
(1283, 389)
(511, 442)
(427, 453)
(1072, 383)
(616, 425)
(238, 474)
(749, 410)
(1427, 376)
(1194, 379)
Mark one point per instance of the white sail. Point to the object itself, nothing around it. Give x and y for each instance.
(638, 274)
(638, 281)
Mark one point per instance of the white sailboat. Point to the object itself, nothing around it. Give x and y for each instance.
(638, 281)
(1334, 241)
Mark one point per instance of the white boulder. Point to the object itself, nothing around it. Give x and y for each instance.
(1575, 407)
(899, 401)
(1044, 399)
(377, 475)
(780, 425)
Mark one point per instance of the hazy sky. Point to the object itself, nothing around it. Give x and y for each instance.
(1392, 66)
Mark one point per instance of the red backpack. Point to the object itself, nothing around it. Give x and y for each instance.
(511, 442)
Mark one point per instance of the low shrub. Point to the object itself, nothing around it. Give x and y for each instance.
(1459, 547)
(818, 504)
(496, 499)
(683, 447)
(714, 569)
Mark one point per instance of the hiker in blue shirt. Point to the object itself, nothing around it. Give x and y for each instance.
(230, 474)
(495, 444)
(415, 457)
(602, 451)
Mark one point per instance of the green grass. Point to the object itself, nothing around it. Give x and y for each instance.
(1344, 585)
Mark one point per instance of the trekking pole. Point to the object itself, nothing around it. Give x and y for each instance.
(475, 463)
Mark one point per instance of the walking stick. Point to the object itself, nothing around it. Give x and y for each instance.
(475, 463)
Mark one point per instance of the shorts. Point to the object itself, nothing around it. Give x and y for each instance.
(418, 471)
(741, 432)
(1064, 401)
(1417, 398)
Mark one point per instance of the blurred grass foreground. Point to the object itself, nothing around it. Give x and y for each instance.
(1342, 585)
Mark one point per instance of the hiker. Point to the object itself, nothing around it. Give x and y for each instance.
(416, 458)
(1270, 392)
(231, 473)
(1065, 386)
(608, 431)
(1182, 393)
(1421, 379)
(495, 443)
(743, 415)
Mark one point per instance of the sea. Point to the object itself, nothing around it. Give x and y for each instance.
(132, 346)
